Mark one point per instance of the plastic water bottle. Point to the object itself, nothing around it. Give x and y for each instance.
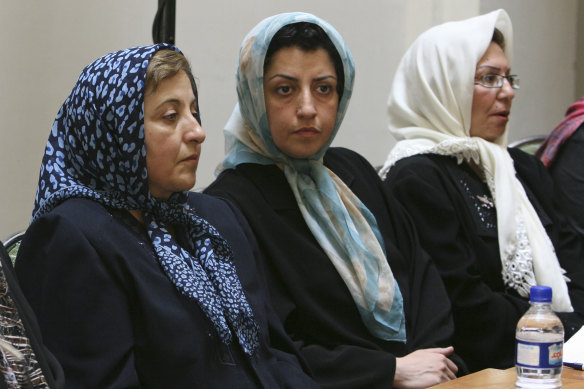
(539, 343)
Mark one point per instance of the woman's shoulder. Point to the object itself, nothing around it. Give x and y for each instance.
(529, 167)
(218, 211)
(199, 200)
(210, 207)
(344, 156)
(421, 166)
(241, 174)
(81, 229)
(80, 212)
(349, 165)
(428, 160)
(246, 182)
(89, 221)
(349, 157)
(523, 158)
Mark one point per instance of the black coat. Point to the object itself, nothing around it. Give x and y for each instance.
(567, 172)
(458, 227)
(112, 317)
(312, 300)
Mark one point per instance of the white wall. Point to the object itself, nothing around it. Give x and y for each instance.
(47, 43)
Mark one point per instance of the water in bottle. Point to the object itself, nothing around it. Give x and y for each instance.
(539, 343)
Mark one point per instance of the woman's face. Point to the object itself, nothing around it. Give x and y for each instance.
(301, 100)
(491, 106)
(173, 136)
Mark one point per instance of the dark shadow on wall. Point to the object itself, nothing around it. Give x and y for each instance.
(163, 30)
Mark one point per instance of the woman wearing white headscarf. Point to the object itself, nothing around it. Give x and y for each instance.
(484, 213)
(345, 270)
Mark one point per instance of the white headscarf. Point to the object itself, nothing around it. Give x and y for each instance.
(343, 226)
(429, 109)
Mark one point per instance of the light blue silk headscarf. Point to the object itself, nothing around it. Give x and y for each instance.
(346, 230)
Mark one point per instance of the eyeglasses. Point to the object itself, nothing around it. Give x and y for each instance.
(496, 80)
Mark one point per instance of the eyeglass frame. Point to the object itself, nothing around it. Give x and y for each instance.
(511, 79)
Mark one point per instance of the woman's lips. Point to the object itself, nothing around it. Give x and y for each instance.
(502, 115)
(307, 131)
(192, 158)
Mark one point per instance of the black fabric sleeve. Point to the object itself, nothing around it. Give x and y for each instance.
(292, 367)
(350, 366)
(60, 272)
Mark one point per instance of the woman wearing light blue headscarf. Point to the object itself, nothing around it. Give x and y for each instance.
(136, 281)
(329, 236)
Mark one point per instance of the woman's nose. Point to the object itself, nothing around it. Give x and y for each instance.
(306, 106)
(506, 91)
(195, 132)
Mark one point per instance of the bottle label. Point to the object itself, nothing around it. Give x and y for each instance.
(540, 355)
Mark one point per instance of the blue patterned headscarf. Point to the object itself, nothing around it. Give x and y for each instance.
(344, 227)
(96, 150)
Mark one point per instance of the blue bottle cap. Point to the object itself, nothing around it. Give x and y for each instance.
(540, 294)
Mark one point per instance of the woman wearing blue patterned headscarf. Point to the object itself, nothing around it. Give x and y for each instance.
(135, 280)
(340, 259)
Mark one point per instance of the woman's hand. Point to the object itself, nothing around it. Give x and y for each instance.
(424, 368)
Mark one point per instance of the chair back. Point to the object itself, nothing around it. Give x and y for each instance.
(12, 244)
(529, 144)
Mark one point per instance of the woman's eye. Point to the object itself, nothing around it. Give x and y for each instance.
(283, 90)
(170, 116)
(490, 78)
(324, 89)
